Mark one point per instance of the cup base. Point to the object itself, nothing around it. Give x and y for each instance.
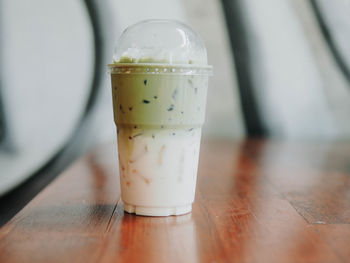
(157, 211)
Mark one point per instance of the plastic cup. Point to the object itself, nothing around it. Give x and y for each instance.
(159, 87)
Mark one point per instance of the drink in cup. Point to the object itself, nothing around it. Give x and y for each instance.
(159, 87)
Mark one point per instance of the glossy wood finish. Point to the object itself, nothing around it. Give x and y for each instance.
(256, 201)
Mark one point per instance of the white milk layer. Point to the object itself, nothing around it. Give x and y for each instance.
(158, 168)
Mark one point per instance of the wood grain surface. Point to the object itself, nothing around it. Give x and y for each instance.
(256, 201)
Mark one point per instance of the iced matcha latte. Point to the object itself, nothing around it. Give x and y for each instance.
(159, 108)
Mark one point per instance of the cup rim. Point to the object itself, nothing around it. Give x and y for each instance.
(158, 68)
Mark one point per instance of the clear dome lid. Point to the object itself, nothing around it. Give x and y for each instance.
(160, 42)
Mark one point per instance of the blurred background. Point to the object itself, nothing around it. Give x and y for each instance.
(281, 70)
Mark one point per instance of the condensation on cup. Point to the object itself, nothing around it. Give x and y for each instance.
(159, 86)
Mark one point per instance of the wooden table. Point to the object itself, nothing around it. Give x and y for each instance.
(256, 201)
